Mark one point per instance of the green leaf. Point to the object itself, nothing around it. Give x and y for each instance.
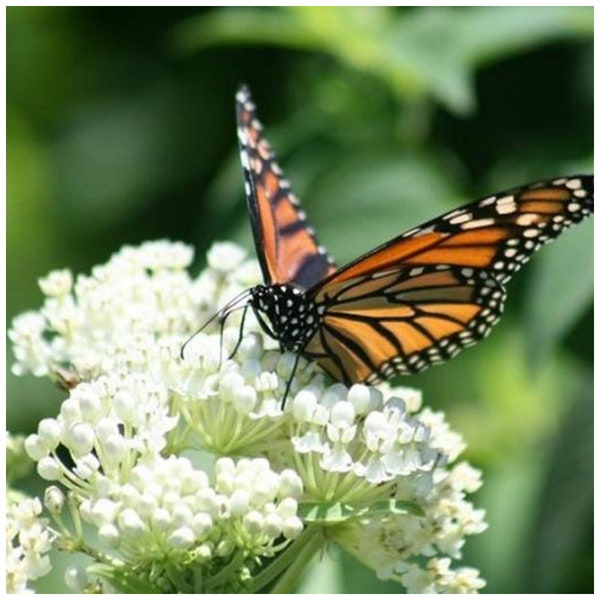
(395, 507)
(562, 289)
(338, 512)
(490, 33)
(418, 53)
(315, 512)
(561, 540)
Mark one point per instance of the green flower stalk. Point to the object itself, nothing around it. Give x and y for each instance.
(185, 474)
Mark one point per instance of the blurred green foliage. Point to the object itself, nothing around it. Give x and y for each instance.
(120, 129)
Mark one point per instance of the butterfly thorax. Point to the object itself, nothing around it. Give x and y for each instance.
(292, 316)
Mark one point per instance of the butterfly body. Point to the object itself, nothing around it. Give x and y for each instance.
(412, 302)
(293, 318)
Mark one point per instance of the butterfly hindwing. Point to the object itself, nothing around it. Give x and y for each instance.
(286, 246)
(422, 297)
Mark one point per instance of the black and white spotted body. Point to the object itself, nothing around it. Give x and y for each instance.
(292, 316)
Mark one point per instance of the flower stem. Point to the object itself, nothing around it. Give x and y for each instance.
(295, 559)
(226, 572)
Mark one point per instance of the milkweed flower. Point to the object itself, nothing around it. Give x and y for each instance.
(28, 541)
(186, 470)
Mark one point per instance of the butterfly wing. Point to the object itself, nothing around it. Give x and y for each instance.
(285, 244)
(423, 296)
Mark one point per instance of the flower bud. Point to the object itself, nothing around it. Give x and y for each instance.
(48, 468)
(76, 578)
(36, 447)
(54, 500)
(253, 522)
(182, 538)
(131, 524)
(109, 535)
(292, 527)
(49, 432)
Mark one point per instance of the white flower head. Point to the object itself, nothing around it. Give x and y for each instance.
(369, 464)
(28, 541)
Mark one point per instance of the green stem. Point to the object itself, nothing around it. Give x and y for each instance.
(226, 572)
(296, 557)
(288, 582)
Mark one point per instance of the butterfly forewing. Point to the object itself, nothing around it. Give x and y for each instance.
(410, 303)
(422, 297)
(286, 246)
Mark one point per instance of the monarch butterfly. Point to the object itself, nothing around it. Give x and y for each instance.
(414, 301)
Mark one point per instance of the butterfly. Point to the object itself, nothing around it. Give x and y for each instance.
(412, 302)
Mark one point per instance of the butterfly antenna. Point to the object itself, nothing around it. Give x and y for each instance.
(240, 301)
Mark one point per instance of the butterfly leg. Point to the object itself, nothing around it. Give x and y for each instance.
(266, 328)
(241, 335)
(289, 382)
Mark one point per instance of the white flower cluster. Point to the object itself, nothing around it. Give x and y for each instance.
(136, 404)
(28, 541)
(107, 425)
(359, 434)
(88, 327)
(389, 545)
(168, 507)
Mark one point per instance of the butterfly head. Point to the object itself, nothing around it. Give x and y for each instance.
(292, 317)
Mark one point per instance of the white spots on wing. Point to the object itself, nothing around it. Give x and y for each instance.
(245, 160)
(573, 184)
(454, 213)
(488, 201)
(385, 273)
(506, 205)
(242, 136)
(478, 223)
(461, 218)
(257, 165)
(560, 181)
(580, 193)
(505, 200)
(411, 232)
(242, 96)
(527, 219)
(264, 149)
(531, 233)
(574, 207)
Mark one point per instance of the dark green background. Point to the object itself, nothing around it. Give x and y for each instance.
(121, 129)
